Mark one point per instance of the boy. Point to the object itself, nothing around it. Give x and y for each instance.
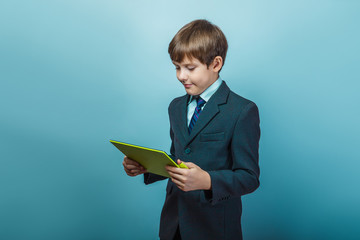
(216, 133)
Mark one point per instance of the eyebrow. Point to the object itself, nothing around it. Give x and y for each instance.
(187, 64)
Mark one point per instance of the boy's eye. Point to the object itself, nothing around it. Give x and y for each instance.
(190, 68)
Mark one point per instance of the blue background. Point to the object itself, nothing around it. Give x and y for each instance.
(75, 74)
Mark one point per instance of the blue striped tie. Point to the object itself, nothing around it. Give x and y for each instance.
(200, 103)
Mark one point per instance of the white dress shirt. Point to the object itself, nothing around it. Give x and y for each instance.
(206, 95)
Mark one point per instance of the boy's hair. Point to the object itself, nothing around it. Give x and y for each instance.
(199, 39)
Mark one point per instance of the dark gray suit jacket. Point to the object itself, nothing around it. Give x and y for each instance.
(224, 142)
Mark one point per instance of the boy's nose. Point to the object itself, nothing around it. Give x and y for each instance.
(182, 76)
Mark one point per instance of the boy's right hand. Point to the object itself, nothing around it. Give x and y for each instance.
(133, 168)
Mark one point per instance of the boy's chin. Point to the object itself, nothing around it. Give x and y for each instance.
(192, 92)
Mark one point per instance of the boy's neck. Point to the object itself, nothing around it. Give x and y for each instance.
(212, 82)
(210, 90)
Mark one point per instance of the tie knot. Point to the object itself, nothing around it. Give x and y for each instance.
(200, 102)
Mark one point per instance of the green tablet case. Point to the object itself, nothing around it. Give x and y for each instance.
(153, 160)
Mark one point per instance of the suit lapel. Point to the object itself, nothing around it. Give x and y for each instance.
(180, 120)
(210, 110)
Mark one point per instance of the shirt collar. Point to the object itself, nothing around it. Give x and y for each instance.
(209, 91)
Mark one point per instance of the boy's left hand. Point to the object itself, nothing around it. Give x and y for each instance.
(190, 179)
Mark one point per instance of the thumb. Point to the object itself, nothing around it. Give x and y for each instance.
(188, 164)
(179, 162)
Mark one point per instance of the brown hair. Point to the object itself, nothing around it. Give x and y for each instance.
(199, 39)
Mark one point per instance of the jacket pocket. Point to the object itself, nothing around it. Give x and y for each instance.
(212, 137)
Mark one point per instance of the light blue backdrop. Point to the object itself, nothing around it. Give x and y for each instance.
(74, 74)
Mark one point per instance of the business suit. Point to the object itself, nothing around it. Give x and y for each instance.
(224, 142)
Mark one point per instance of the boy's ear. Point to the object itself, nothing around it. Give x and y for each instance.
(217, 64)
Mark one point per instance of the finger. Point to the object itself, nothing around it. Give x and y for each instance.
(188, 164)
(175, 169)
(125, 165)
(127, 169)
(133, 167)
(133, 174)
(178, 177)
(170, 168)
(140, 170)
(136, 172)
(177, 183)
(180, 161)
(130, 174)
(130, 161)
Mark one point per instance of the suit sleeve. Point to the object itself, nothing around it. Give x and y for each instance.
(243, 178)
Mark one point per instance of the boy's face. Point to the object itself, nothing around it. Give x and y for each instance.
(195, 76)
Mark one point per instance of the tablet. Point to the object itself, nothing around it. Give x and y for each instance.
(153, 160)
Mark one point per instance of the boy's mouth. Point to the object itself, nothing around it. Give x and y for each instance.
(187, 85)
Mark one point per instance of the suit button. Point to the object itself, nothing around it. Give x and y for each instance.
(187, 151)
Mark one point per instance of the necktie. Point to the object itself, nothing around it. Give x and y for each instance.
(200, 103)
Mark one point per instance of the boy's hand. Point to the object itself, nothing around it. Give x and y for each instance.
(190, 179)
(133, 168)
